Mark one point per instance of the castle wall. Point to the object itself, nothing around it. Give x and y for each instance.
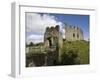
(53, 35)
(73, 33)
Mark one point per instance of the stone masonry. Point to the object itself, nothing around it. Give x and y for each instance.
(73, 33)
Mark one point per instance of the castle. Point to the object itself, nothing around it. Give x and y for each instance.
(53, 36)
(50, 52)
(53, 39)
(73, 33)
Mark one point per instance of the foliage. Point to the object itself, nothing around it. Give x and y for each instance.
(70, 58)
(79, 48)
(31, 44)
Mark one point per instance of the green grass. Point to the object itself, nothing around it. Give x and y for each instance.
(81, 48)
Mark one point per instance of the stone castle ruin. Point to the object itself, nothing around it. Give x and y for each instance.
(53, 36)
(73, 33)
(53, 42)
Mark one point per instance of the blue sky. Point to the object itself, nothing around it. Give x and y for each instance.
(37, 22)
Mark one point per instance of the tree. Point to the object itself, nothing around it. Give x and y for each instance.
(31, 44)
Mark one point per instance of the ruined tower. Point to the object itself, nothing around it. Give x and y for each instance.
(53, 37)
(73, 33)
(53, 40)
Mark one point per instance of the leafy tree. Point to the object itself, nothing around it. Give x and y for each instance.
(31, 44)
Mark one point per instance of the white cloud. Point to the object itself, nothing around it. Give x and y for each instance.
(36, 24)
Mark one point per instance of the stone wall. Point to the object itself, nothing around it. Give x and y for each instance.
(73, 33)
(53, 36)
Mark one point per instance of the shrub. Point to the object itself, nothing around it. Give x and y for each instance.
(70, 58)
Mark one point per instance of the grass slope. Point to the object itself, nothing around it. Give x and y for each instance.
(81, 48)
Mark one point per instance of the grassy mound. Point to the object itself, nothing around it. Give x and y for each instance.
(79, 48)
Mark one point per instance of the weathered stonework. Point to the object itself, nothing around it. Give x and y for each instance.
(53, 37)
(73, 33)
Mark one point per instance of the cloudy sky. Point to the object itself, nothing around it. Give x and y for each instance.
(37, 22)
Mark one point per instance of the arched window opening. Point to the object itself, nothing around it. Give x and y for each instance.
(73, 34)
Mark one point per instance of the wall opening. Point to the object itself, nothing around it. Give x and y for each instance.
(73, 34)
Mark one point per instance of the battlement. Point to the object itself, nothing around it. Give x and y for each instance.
(72, 27)
(73, 33)
(53, 28)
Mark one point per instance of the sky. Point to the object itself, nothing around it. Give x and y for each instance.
(37, 22)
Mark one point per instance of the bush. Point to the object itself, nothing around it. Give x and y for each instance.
(70, 58)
